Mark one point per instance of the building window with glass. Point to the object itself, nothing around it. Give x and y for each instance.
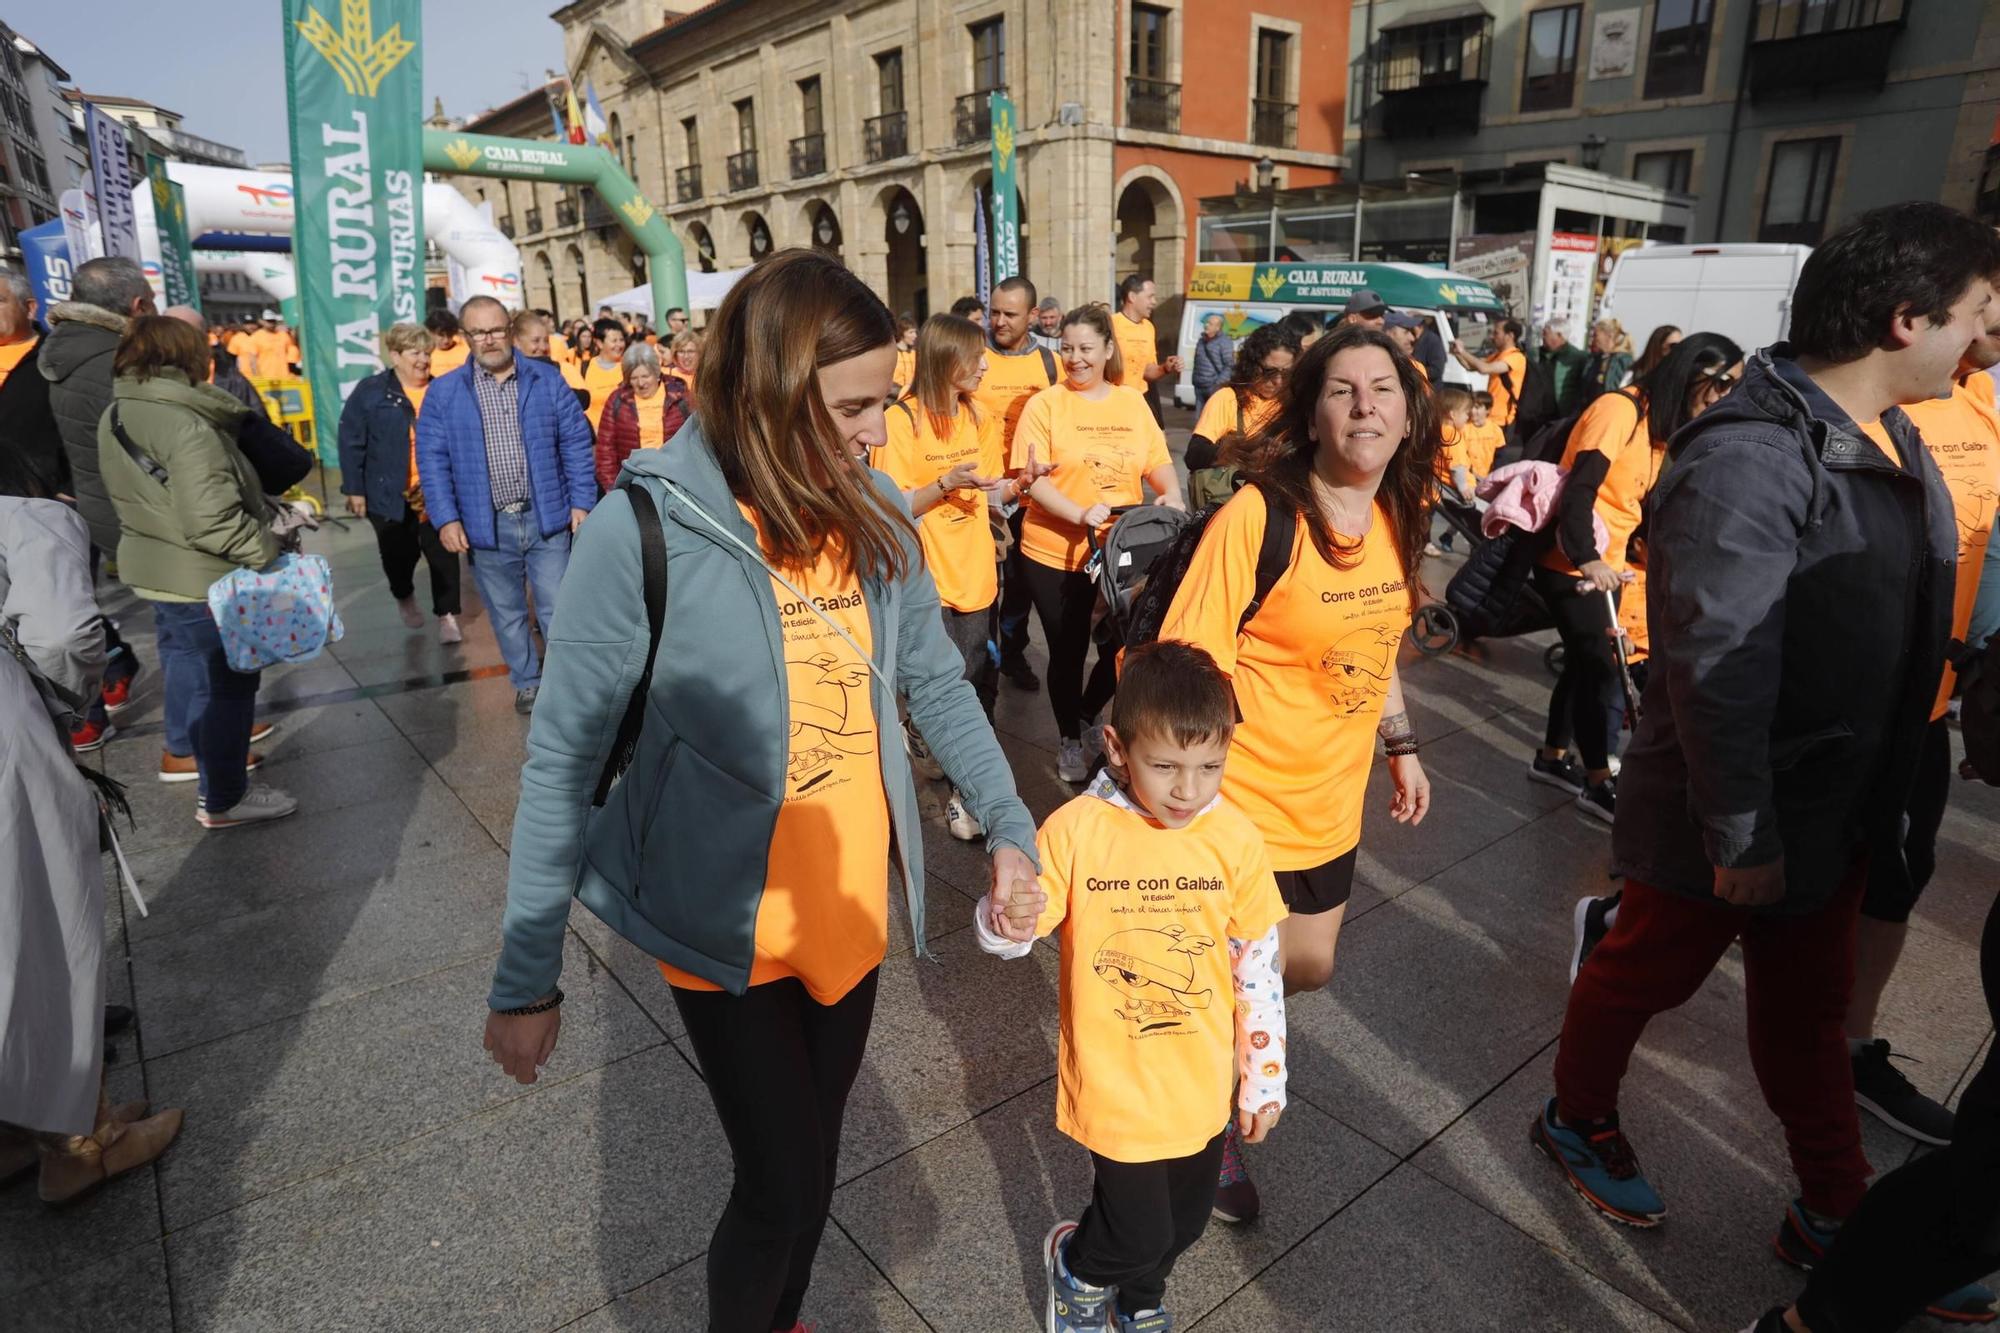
(1152, 102)
(1274, 115)
(1799, 191)
(1549, 81)
(1677, 60)
(989, 55)
(1668, 171)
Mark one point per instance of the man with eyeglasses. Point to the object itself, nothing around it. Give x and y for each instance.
(505, 457)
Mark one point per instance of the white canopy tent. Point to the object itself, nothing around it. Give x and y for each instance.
(705, 292)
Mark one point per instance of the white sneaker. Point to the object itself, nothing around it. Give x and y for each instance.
(259, 803)
(407, 608)
(448, 631)
(960, 820)
(921, 758)
(1072, 765)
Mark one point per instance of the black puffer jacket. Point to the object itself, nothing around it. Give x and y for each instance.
(76, 361)
(1799, 590)
(28, 428)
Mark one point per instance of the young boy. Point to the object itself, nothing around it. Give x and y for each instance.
(1483, 438)
(1171, 996)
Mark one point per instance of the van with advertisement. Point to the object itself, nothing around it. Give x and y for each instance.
(1248, 296)
(1743, 291)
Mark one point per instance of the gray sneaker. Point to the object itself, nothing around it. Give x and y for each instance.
(259, 805)
(524, 700)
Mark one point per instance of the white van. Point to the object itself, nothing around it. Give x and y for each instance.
(1742, 291)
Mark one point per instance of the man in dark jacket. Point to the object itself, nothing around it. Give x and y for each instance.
(1799, 589)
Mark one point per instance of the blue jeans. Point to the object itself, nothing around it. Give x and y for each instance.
(521, 560)
(212, 702)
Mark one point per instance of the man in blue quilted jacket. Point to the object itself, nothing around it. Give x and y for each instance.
(504, 456)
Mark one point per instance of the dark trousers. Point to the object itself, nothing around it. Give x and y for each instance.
(120, 662)
(1015, 600)
(779, 1066)
(1896, 878)
(1142, 1217)
(1798, 973)
(1587, 705)
(206, 700)
(400, 541)
(971, 632)
(1927, 1228)
(1064, 601)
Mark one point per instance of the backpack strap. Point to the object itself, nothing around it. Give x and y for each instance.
(1239, 416)
(1048, 365)
(904, 403)
(653, 560)
(147, 463)
(1274, 553)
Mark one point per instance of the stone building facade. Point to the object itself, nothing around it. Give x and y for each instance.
(862, 129)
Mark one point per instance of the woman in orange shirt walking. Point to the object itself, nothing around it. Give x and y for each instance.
(1314, 668)
(1105, 448)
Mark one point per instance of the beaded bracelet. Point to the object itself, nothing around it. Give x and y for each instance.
(539, 1007)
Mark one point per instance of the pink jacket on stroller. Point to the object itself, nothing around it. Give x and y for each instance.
(1525, 496)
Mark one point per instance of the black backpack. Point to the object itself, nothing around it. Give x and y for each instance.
(1546, 443)
(1274, 557)
(1535, 410)
(653, 560)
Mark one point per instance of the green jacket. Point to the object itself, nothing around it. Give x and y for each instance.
(210, 516)
(675, 860)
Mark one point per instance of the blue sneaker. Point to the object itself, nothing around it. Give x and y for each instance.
(1074, 1307)
(1152, 1321)
(1803, 1239)
(1600, 1166)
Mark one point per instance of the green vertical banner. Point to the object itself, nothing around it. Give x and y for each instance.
(356, 97)
(1006, 223)
(177, 273)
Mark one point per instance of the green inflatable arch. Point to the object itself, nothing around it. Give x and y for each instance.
(451, 153)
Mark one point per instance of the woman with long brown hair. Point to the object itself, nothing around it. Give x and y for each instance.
(1355, 445)
(747, 845)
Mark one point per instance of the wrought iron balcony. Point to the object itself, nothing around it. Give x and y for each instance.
(531, 220)
(596, 213)
(972, 117)
(687, 184)
(1806, 49)
(1153, 105)
(886, 136)
(808, 155)
(565, 212)
(743, 170)
(1274, 124)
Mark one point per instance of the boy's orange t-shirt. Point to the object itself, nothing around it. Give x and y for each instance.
(1962, 433)
(1103, 451)
(824, 917)
(1312, 671)
(1008, 384)
(444, 360)
(1138, 347)
(1226, 411)
(600, 381)
(1504, 398)
(1147, 1066)
(1615, 426)
(957, 536)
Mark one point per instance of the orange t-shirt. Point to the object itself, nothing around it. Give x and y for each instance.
(1148, 1064)
(1504, 398)
(1962, 432)
(12, 354)
(444, 360)
(906, 368)
(1481, 443)
(1312, 672)
(824, 917)
(239, 346)
(1010, 381)
(271, 353)
(600, 380)
(1102, 449)
(413, 494)
(1457, 450)
(558, 347)
(1138, 346)
(652, 420)
(1980, 384)
(1226, 412)
(957, 535)
(1614, 426)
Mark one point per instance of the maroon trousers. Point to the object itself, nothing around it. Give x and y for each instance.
(1798, 975)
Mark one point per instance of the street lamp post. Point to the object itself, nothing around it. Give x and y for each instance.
(1267, 185)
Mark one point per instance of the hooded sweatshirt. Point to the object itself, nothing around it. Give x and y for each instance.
(76, 361)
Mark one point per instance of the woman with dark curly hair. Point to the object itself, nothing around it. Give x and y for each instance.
(1354, 446)
(1248, 400)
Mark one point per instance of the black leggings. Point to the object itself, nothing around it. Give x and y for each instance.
(1928, 1228)
(400, 541)
(779, 1066)
(1587, 705)
(1142, 1216)
(1896, 882)
(1014, 598)
(1064, 601)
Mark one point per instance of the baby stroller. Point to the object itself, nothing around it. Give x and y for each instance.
(1492, 596)
(1119, 564)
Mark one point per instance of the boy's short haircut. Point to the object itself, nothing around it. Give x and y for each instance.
(1482, 398)
(1919, 257)
(1172, 690)
(1451, 398)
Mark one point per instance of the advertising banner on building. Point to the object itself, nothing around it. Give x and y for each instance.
(355, 93)
(1004, 236)
(176, 254)
(1567, 290)
(79, 220)
(111, 167)
(1501, 261)
(45, 255)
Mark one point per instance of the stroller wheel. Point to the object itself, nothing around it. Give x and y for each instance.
(1434, 630)
(1553, 659)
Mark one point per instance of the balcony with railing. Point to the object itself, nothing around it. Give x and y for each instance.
(531, 220)
(1431, 74)
(596, 213)
(972, 117)
(886, 137)
(1806, 49)
(1274, 124)
(687, 184)
(565, 212)
(1153, 105)
(743, 170)
(808, 153)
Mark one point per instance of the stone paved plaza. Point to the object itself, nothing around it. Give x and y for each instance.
(312, 992)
